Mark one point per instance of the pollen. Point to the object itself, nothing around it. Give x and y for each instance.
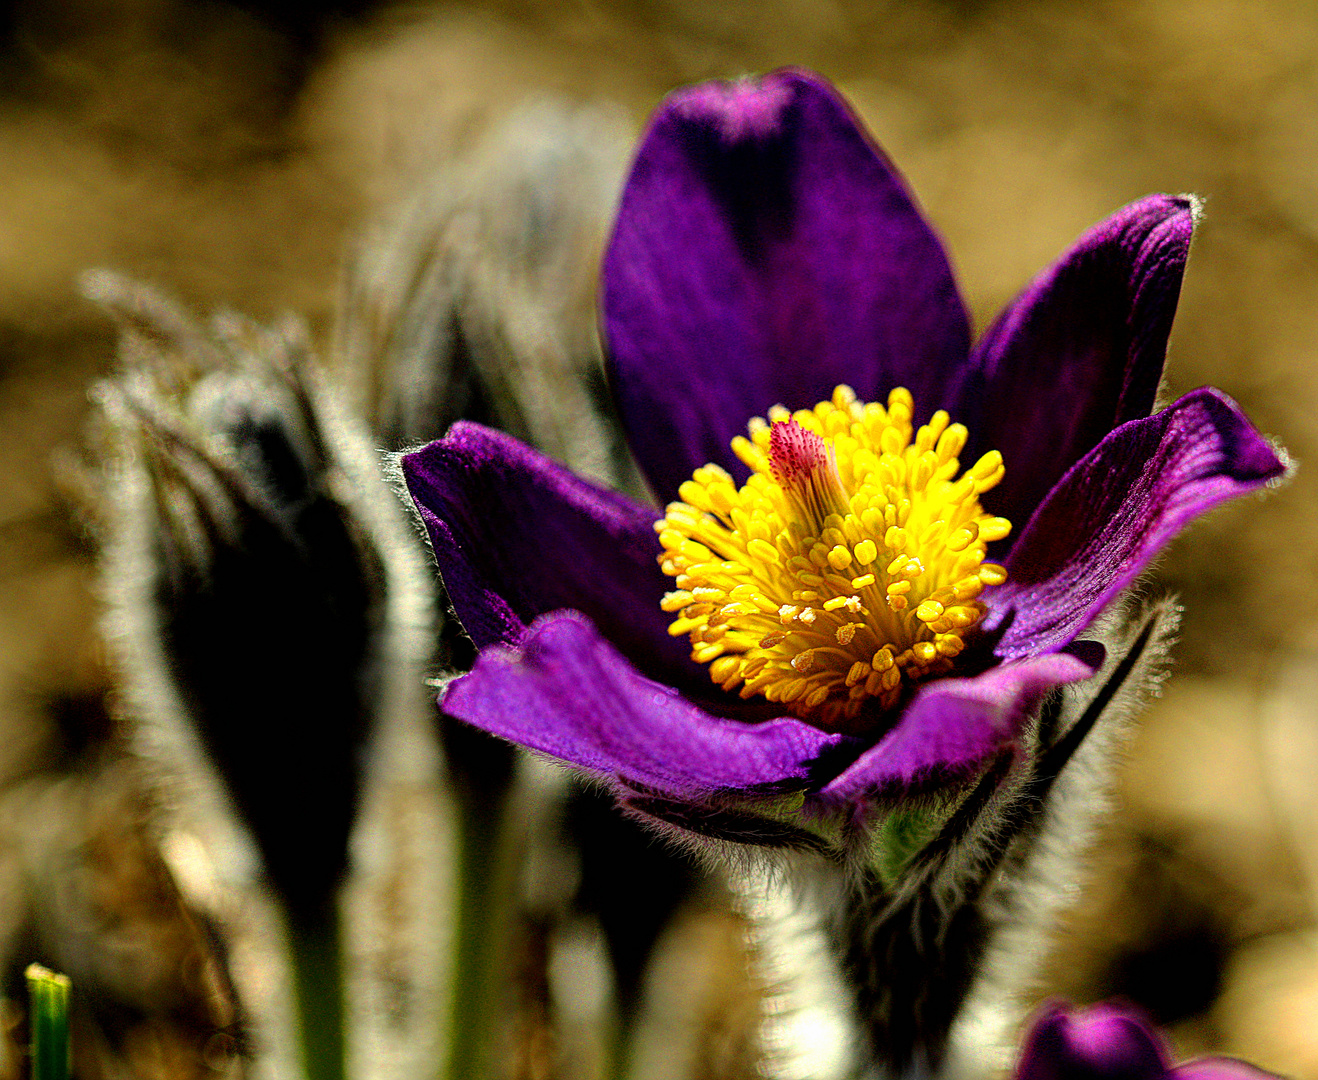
(846, 570)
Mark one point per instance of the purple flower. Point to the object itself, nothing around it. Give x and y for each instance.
(830, 630)
(1108, 1042)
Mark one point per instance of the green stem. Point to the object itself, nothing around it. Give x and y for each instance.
(48, 997)
(317, 960)
(488, 842)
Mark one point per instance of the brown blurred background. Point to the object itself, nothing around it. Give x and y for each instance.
(234, 153)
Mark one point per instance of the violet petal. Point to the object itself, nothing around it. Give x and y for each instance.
(568, 693)
(953, 726)
(1101, 1043)
(1079, 352)
(1117, 508)
(765, 251)
(517, 535)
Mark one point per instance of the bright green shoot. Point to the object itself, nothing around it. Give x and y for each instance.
(48, 998)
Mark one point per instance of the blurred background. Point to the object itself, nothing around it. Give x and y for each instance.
(240, 155)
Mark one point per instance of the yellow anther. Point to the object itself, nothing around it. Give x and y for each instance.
(920, 473)
(929, 611)
(986, 466)
(793, 690)
(693, 494)
(770, 578)
(968, 588)
(949, 645)
(962, 617)
(724, 668)
(678, 627)
(804, 662)
(963, 537)
(952, 442)
(912, 569)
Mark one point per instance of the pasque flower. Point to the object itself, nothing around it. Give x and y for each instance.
(832, 607)
(1111, 1042)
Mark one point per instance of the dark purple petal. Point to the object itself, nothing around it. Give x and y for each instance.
(765, 251)
(1109, 1042)
(568, 693)
(1101, 1043)
(516, 535)
(953, 726)
(1079, 352)
(1117, 508)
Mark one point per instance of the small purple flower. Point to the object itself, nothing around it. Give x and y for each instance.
(1109, 1042)
(815, 618)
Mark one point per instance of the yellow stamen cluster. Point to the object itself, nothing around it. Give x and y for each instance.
(848, 566)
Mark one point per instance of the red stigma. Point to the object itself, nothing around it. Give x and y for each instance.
(794, 452)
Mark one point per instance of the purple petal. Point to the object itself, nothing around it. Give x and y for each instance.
(1109, 1042)
(1117, 508)
(567, 693)
(953, 726)
(1101, 1043)
(1079, 352)
(516, 535)
(765, 251)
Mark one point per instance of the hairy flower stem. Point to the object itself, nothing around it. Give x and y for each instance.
(316, 945)
(932, 960)
(913, 954)
(489, 843)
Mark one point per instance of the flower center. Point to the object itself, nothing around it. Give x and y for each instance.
(847, 568)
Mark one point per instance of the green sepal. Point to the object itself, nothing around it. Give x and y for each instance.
(902, 834)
